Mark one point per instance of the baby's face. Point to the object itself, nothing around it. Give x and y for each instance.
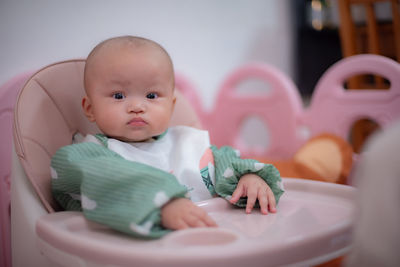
(130, 95)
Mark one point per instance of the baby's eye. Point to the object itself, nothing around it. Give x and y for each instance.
(118, 96)
(152, 95)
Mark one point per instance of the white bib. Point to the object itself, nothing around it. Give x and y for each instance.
(178, 152)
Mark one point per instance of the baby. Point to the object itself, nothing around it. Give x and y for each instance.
(139, 176)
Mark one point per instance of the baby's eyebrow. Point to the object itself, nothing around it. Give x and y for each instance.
(119, 82)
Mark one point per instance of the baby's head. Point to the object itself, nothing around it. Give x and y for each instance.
(129, 83)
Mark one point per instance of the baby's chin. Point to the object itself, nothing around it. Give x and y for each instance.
(130, 139)
(133, 140)
(139, 136)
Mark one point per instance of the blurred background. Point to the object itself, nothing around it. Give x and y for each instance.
(206, 39)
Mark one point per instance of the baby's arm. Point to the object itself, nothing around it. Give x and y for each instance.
(244, 181)
(127, 196)
(182, 213)
(254, 187)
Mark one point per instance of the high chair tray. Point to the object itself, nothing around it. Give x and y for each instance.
(312, 225)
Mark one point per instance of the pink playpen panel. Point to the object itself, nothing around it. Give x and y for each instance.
(278, 107)
(332, 109)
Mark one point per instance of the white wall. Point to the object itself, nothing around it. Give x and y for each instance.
(206, 38)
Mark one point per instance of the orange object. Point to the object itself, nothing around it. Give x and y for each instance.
(325, 157)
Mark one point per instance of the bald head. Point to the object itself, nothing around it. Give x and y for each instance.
(130, 44)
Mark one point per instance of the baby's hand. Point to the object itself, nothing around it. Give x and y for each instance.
(254, 188)
(181, 213)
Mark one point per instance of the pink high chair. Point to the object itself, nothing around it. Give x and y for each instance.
(313, 223)
(8, 95)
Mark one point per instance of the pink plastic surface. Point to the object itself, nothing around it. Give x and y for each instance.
(312, 225)
(278, 108)
(332, 110)
(8, 95)
(187, 88)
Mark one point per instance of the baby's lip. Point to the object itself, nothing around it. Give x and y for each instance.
(137, 122)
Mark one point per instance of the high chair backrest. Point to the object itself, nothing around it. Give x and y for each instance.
(48, 113)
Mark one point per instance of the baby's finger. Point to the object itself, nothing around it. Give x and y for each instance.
(197, 223)
(209, 221)
(193, 221)
(263, 201)
(201, 215)
(180, 225)
(236, 194)
(197, 211)
(251, 200)
(271, 201)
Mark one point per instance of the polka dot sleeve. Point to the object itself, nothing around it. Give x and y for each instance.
(229, 167)
(125, 195)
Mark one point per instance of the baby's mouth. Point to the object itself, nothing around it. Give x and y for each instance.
(137, 122)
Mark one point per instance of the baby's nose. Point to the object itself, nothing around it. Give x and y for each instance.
(136, 107)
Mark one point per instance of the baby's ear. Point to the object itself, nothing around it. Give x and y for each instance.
(174, 100)
(87, 108)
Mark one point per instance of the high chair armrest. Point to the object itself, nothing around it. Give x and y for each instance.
(26, 209)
